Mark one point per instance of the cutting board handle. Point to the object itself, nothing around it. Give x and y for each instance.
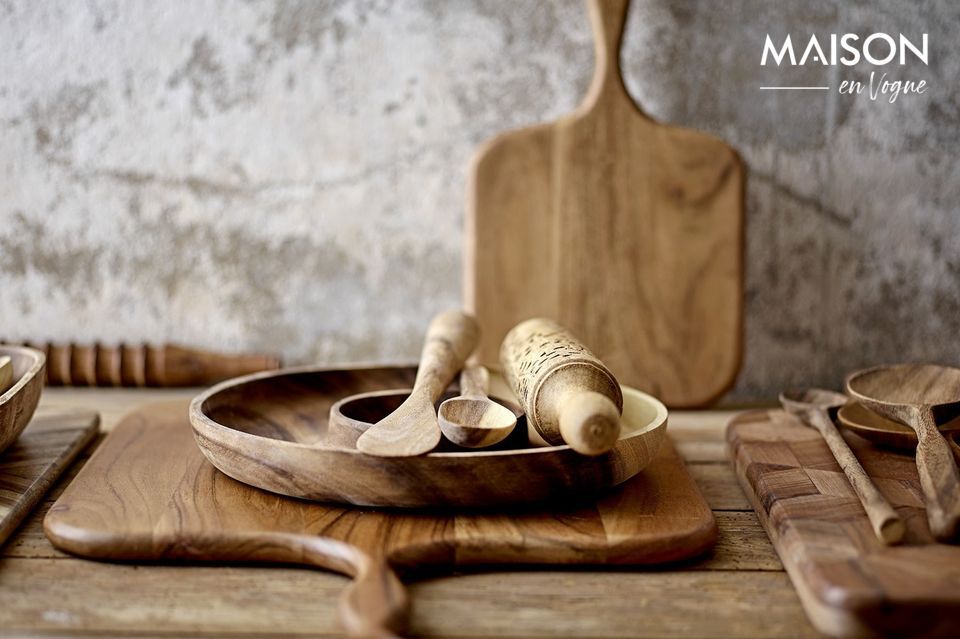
(374, 605)
(608, 18)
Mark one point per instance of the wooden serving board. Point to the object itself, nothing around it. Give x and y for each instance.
(850, 584)
(28, 468)
(626, 231)
(148, 494)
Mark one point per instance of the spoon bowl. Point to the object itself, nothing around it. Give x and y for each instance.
(19, 401)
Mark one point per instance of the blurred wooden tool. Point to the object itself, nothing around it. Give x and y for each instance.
(473, 420)
(920, 396)
(568, 395)
(626, 231)
(6, 373)
(146, 365)
(813, 407)
(413, 428)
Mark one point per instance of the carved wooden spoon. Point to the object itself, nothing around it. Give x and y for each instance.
(815, 407)
(920, 396)
(413, 428)
(473, 420)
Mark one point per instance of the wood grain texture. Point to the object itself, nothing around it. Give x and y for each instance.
(137, 365)
(413, 429)
(473, 420)
(568, 395)
(148, 493)
(270, 431)
(30, 466)
(816, 407)
(921, 396)
(19, 400)
(891, 434)
(850, 583)
(626, 231)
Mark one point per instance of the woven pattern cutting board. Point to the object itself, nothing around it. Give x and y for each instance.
(850, 584)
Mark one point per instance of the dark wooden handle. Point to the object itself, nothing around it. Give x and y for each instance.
(450, 339)
(374, 605)
(939, 478)
(146, 365)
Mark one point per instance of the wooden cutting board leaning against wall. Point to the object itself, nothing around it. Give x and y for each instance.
(626, 231)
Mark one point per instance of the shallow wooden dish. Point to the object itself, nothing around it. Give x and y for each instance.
(269, 430)
(20, 400)
(890, 434)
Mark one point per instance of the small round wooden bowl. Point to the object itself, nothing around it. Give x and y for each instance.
(890, 434)
(19, 401)
(269, 430)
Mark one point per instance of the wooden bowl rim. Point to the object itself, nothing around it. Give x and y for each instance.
(865, 399)
(198, 417)
(39, 359)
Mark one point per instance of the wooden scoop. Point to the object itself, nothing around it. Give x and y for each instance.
(814, 407)
(413, 428)
(473, 420)
(919, 396)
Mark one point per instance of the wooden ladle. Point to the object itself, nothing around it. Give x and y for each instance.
(413, 428)
(814, 407)
(920, 396)
(473, 420)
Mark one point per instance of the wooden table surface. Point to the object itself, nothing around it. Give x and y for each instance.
(740, 590)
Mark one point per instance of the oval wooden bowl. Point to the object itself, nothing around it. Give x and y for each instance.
(269, 430)
(19, 402)
(890, 434)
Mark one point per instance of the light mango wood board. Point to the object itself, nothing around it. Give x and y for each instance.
(148, 494)
(626, 231)
(28, 468)
(850, 584)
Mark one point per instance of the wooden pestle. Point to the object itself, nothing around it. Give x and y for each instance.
(146, 365)
(568, 395)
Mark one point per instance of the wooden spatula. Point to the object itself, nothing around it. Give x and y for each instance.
(413, 428)
(626, 231)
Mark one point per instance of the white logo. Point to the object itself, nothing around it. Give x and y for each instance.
(876, 49)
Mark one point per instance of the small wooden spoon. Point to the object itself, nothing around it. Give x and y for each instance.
(413, 428)
(814, 408)
(473, 420)
(920, 395)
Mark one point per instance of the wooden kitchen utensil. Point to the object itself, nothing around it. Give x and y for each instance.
(269, 430)
(19, 401)
(920, 396)
(30, 466)
(886, 432)
(413, 428)
(352, 416)
(568, 395)
(148, 494)
(473, 420)
(850, 583)
(626, 231)
(6, 373)
(145, 365)
(814, 408)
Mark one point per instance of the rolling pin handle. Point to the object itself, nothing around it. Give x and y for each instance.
(589, 422)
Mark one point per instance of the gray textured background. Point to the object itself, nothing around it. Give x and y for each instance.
(290, 175)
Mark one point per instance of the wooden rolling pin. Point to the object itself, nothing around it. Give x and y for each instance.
(569, 396)
(145, 365)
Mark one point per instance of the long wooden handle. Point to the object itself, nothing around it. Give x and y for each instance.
(607, 18)
(146, 365)
(374, 605)
(451, 337)
(939, 478)
(474, 382)
(887, 524)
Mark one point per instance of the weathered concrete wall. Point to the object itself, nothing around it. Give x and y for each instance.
(290, 175)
